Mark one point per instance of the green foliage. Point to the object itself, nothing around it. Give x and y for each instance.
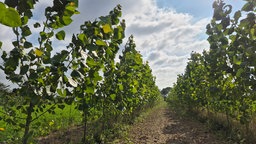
(128, 87)
(223, 78)
(61, 120)
(83, 75)
(61, 35)
(29, 68)
(165, 91)
(9, 16)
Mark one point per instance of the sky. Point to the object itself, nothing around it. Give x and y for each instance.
(165, 31)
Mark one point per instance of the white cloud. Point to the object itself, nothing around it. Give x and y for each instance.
(6, 36)
(164, 37)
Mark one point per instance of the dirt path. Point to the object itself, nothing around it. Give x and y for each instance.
(159, 126)
(162, 126)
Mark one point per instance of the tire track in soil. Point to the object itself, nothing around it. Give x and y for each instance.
(163, 126)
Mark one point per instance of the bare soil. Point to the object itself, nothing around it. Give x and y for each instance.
(70, 136)
(160, 126)
(163, 126)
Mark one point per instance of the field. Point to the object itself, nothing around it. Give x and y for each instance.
(61, 120)
(71, 81)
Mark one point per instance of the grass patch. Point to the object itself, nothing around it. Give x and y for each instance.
(143, 114)
(66, 124)
(62, 119)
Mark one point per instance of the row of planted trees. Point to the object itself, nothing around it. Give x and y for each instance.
(83, 73)
(223, 79)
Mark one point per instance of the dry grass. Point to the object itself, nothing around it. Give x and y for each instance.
(234, 130)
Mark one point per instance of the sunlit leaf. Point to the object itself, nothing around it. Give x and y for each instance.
(113, 96)
(59, 91)
(121, 87)
(118, 33)
(38, 52)
(100, 43)
(107, 28)
(82, 37)
(253, 32)
(66, 20)
(89, 90)
(90, 62)
(9, 16)
(134, 90)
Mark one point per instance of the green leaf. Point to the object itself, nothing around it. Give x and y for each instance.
(24, 20)
(15, 43)
(31, 54)
(3, 10)
(252, 31)
(134, 90)
(118, 33)
(66, 20)
(24, 69)
(248, 7)
(1, 43)
(25, 31)
(59, 91)
(82, 37)
(98, 78)
(75, 73)
(239, 72)
(27, 44)
(138, 59)
(121, 87)
(9, 16)
(40, 80)
(100, 43)
(237, 15)
(90, 62)
(89, 90)
(92, 47)
(61, 35)
(236, 61)
(113, 96)
(106, 28)
(70, 10)
(37, 25)
(38, 52)
(43, 36)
